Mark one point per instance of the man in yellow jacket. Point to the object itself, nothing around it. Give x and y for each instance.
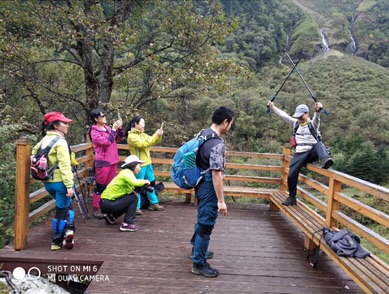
(140, 143)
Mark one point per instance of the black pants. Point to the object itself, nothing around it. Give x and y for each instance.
(125, 205)
(318, 152)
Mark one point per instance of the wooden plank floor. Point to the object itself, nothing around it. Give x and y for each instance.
(256, 251)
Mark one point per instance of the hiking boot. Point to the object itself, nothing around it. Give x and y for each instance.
(329, 162)
(139, 212)
(109, 218)
(55, 246)
(290, 201)
(156, 207)
(206, 270)
(209, 254)
(129, 228)
(97, 213)
(68, 241)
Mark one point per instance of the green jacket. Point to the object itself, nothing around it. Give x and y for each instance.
(121, 185)
(58, 153)
(140, 143)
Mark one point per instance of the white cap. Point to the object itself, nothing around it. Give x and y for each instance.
(131, 159)
(300, 110)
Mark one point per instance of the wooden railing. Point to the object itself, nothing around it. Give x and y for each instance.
(324, 191)
(338, 208)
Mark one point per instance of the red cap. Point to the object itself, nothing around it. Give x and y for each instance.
(53, 116)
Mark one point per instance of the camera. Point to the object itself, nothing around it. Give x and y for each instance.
(148, 188)
(144, 189)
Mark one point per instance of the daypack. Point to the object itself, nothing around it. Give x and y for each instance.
(39, 169)
(314, 134)
(311, 129)
(345, 243)
(184, 172)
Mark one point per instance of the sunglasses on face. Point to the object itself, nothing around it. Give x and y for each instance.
(102, 115)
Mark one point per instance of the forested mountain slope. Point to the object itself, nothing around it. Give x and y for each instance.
(355, 26)
(177, 65)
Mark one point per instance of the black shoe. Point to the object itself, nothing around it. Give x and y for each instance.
(290, 201)
(109, 218)
(206, 270)
(328, 163)
(209, 254)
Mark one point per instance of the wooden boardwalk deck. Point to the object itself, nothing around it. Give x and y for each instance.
(256, 251)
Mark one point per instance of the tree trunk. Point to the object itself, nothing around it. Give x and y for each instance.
(105, 79)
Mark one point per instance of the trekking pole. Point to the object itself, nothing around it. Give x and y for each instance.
(81, 204)
(279, 89)
(305, 84)
(81, 198)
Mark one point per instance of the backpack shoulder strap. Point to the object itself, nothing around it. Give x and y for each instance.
(45, 151)
(313, 131)
(205, 139)
(296, 126)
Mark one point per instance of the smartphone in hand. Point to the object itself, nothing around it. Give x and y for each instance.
(162, 125)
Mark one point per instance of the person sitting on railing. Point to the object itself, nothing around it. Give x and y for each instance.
(309, 147)
(120, 198)
(139, 143)
(106, 153)
(60, 186)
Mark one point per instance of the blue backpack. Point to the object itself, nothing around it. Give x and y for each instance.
(185, 173)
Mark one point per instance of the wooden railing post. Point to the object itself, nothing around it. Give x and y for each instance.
(22, 204)
(284, 176)
(332, 204)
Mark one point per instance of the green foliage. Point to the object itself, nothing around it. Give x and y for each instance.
(8, 133)
(366, 5)
(361, 159)
(262, 31)
(305, 36)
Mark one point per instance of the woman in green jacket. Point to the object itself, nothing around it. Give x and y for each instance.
(60, 186)
(140, 143)
(119, 197)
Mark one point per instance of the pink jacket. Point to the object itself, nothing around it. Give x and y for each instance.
(104, 143)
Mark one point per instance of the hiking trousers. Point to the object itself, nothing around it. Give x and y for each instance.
(207, 214)
(147, 173)
(104, 176)
(64, 214)
(318, 152)
(125, 205)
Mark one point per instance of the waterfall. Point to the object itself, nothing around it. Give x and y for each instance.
(286, 48)
(353, 45)
(324, 41)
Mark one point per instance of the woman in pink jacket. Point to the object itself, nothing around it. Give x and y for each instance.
(106, 154)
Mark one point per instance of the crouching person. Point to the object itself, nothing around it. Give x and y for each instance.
(120, 198)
